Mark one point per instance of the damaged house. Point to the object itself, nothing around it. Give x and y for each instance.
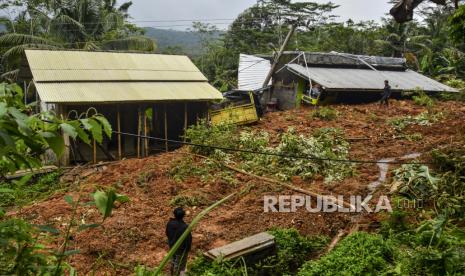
(146, 94)
(343, 77)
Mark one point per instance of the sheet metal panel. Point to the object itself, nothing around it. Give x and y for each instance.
(49, 65)
(252, 72)
(107, 92)
(366, 79)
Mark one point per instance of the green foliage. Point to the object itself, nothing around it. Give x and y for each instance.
(422, 99)
(358, 254)
(457, 25)
(26, 190)
(292, 250)
(325, 113)
(77, 24)
(20, 253)
(280, 160)
(445, 190)
(215, 135)
(105, 200)
(188, 201)
(423, 119)
(24, 137)
(201, 266)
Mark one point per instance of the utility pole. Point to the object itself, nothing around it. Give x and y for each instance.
(278, 57)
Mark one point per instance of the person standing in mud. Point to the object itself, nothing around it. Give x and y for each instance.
(174, 229)
(386, 94)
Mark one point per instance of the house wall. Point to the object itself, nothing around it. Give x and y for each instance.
(153, 126)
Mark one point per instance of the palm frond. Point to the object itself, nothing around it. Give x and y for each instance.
(17, 51)
(10, 76)
(68, 21)
(134, 43)
(13, 39)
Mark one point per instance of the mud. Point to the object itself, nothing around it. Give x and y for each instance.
(135, 233)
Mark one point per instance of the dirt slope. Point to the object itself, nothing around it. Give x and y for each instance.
(135, 232)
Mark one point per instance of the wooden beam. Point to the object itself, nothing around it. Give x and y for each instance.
(185, 120)
(94, 150)
(138, 132)
(146, 141)
(118, 118)
(166, 128)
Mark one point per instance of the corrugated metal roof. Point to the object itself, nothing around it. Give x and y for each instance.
(252, 72)
(81, 77)
(367, 79)
(106, 66)
(107, 92)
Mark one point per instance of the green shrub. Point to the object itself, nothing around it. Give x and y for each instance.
(423, 100)
(358, 254)
(188, 201)
(292, 250)
(423, 119)
(29, 188)
(325, 113)
(20, 254)
(222, 135)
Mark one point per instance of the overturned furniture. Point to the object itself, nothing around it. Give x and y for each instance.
(143, 94)
(252, 248)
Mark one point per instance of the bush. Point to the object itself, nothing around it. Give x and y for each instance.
(325, 113)
(292, 250)
(358, 254)
(20, 253)
(423, 119)
(29, 188)
(222, 135)
(445, 189)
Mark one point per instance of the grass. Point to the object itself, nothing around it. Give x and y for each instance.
(19, 192)
(325, 113)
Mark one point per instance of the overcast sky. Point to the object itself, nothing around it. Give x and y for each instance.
(164, 10)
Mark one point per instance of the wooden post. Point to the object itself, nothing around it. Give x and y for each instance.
(94, 149)
(146, 141)
(118, 118)
(166, 128)
(185, 120)
(138, 132)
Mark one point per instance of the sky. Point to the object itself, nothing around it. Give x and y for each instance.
(158, 13)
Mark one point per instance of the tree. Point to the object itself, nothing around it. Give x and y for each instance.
(75, 24)
(25, 137)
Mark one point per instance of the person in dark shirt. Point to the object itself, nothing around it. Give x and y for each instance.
(174, 229)
(386, 94)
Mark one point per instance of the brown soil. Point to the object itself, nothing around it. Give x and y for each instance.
(135, 233)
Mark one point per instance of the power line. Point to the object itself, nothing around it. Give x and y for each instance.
(304, 157)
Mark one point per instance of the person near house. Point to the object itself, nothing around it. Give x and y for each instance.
(174, 229)
(386, 93)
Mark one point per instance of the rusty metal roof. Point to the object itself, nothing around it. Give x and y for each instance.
(83, 76)
(367, 79)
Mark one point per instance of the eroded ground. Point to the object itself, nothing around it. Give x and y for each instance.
(135, 234)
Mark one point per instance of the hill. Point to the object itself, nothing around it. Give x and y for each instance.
(135, 232)
(176, 42)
